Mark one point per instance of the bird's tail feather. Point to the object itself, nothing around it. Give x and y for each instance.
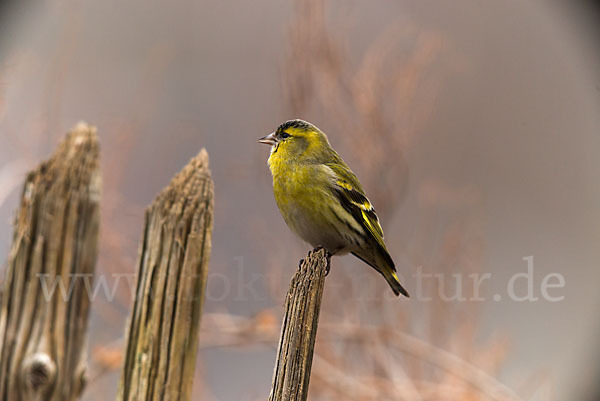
(385, 266)
(394, 282)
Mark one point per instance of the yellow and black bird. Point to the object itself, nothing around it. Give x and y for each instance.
(322, 201)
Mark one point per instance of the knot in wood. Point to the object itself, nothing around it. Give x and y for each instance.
(39, 371)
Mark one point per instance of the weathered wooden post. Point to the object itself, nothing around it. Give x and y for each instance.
(45, 306)
(173, 261)
(299, 330)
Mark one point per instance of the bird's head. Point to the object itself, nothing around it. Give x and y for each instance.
(296, 139)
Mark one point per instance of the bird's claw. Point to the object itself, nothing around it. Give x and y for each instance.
(328, 266)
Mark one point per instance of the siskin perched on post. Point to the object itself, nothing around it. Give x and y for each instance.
(321, 199)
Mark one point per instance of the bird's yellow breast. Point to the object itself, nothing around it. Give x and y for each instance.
(298, 188)
(295, 182)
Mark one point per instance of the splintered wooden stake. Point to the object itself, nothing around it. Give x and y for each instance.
(299, 330)
(172, 268)
(45, 306)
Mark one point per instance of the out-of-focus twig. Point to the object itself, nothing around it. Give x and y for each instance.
(223, 330)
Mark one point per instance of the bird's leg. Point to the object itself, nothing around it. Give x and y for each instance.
(328, 267)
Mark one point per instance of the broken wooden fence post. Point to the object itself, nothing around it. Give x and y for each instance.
(45, 306)
(173, 261)
(299, 330)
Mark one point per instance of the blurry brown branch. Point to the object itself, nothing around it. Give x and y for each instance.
(42, 332)
(291, 375)
(160, 357)
(224, 330)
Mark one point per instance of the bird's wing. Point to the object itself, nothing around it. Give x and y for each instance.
(352, 197)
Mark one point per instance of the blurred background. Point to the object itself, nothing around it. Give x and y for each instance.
(473, 126)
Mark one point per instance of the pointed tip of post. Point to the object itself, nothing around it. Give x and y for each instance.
(200, 161)
(81, 137)
(83, 132)
(203, 154)
(83, 126)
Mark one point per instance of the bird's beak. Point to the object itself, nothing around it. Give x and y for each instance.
(269, 139)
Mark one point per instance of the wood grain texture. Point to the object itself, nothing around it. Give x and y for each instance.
(43, 333)
(173, 259)
(299, 330)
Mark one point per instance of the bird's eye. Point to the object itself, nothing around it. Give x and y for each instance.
(285, 135)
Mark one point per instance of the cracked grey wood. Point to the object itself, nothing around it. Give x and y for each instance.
(299, 330)
(43, 335)
(173, 262)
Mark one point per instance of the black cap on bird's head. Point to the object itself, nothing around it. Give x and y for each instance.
(288, 129)
(296, 125)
